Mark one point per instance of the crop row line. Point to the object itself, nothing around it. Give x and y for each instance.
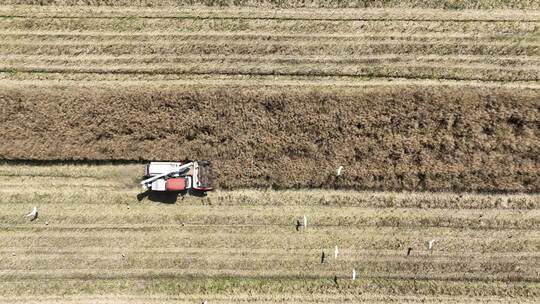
(265, 42)
(70, 40)
(359, 75)
(278, 18)
(91, 34)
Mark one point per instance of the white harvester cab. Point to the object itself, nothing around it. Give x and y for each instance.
(177, 176)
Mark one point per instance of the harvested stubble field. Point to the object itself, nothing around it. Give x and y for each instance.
(101, 244)
(117, 44)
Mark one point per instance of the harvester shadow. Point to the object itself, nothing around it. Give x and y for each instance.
(197, 193)
(167, 197)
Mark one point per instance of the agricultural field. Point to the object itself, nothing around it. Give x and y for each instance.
(431, 107)
(95, 242)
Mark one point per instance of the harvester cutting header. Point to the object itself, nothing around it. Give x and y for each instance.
(178, 176)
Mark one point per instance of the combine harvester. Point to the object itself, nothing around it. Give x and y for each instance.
(178, 176)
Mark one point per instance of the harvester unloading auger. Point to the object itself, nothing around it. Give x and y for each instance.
(177, 176)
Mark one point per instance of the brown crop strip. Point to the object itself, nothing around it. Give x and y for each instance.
(387, 137)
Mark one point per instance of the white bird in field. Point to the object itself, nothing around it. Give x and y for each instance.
(339, 170)
(32, 215)
(430, 244)
(336, 252)
(305, 221)
(354, 274)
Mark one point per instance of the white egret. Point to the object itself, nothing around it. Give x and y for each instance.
(430, 245)
(32, 215)
(339, 171)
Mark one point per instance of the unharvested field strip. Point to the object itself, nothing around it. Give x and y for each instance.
(387, 147)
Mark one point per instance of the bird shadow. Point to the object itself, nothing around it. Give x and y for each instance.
(168, 197)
